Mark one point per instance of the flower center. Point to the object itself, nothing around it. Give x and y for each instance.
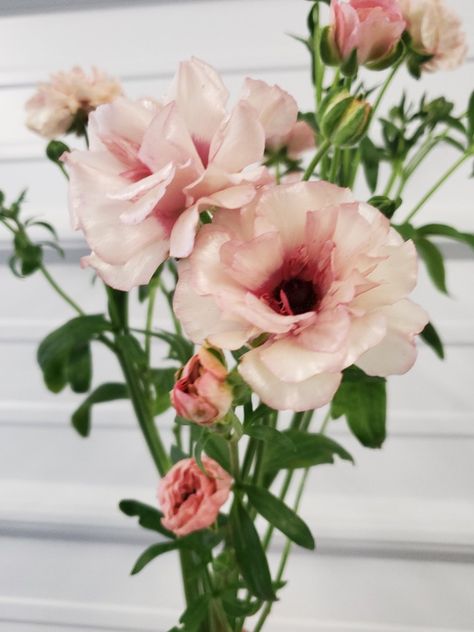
(295, 296)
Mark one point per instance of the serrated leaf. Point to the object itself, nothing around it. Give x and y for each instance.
(249, 554)
(363, 401)
(111, 391)
(279, 515)
(432, 339)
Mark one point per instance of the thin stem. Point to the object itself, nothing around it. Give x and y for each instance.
(60, 291)
(326, 420)
(391, 180)
(437, 185)
(386, 85)
(317, 157)
(319, 68)
(149, 317)
(334, 165)
(285, 555)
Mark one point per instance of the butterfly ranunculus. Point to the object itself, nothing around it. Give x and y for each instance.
(321, 278)
(152, 168)
(435, 30)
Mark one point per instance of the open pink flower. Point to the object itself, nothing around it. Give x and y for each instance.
(324, 277)
(201, 393)
(436, 30)
(190, 499)
(297, 141)
(151, 169)
(372, 27)
(52, 110)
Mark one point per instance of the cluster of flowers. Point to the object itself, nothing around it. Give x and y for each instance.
(303, 276)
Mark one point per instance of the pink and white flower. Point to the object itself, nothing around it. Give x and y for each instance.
(372, 27)
(436, 30)
(324, 277)
(190, 499)
(52, 109)
(152, 168)
(201, 393)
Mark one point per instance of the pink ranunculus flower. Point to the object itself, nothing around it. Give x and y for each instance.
(201, 393)
(190, 499)
(51, 111)
(324, 277)
(151, 169)
(278, 112)
(435, 30)
(373, 27)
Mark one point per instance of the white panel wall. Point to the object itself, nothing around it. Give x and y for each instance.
(395, 533)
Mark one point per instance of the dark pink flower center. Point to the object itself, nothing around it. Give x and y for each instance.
(294, 296)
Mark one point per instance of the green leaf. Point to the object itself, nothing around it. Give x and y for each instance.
(237, 608)
(432, 339)
(310, 449)
(81, 418)
(153, 552)
(270, 435)
(195, 613)
(218, 449)
(180, 348)
(443, 230)
(279, 515)
(385, 204)
(79, 368)
(54, 351)
(363, 401)
(370, 156)
(148, 517)
(470, 118)
(163, 380)
(177, 454)
(434, 262)
(249, 554)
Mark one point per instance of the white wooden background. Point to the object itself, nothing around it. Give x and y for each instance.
(395, 533)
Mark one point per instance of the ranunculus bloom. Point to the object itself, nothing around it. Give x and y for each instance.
(326, 278)
(435, 30)
(201, 393)
(52, 110)
(373, 27)
(298, 140)
(138, 193)
(190, 499)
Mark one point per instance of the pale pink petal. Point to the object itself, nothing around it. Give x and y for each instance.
(201, 98)
(277, 110)
(239, 142)
(137, 270)
(184, 232)
(314, 392)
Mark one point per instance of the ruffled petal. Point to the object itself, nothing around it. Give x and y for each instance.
(314, 392)
(277, 110)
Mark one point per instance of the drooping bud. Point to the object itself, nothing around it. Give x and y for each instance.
(344, 119)
(201, 392)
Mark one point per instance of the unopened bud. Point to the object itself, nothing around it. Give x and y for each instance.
(344, 119)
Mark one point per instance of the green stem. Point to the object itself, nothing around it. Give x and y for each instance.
(437, 185)
(317, 157)
(319, 68)
(391, 180)
(149, 317)
(60, 291)
(285, 555)
(334, 165)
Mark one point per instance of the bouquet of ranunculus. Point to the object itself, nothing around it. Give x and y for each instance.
(295, 289)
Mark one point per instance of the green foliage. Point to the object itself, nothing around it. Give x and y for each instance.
(309, 449)
(432, 339)
(362, 400)
(148, 517)
(279, 515)
(370, 156)
(271, 436)
(179, 348)
(111, 391)
(385, 204)
(163, 381)
(434, 262)
(249, 553)
(56, 352)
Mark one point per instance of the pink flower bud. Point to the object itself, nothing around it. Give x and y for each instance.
(189, 498)
(201, 393)
(372, 27)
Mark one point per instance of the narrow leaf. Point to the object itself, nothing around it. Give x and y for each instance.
(249, 554)
(153, 552)
(148, 517)
(270, 435)
(434, 262)
(81, 418)
(432, 339)
(279, 515)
